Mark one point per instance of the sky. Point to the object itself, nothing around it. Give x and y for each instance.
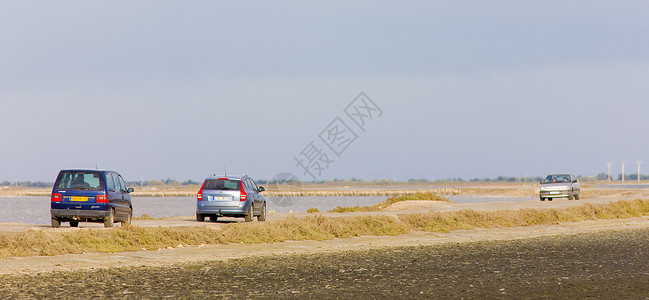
(323, 89)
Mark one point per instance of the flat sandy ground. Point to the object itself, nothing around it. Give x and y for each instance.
(527, 262)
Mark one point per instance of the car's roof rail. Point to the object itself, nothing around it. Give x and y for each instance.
(228, 176)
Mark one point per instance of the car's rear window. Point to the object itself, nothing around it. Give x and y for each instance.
(222, 184)
(80, 180)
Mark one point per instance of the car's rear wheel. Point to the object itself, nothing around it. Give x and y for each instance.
(549, 199)
(74, 223)
(56, 223)
(110, 220)
(213, 218)
(128, 218)
(262, 214)
(200, 218)
(250, 214)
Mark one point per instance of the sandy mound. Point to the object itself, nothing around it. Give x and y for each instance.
(417, 205)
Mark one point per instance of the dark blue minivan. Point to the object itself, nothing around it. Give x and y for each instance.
(90, 196)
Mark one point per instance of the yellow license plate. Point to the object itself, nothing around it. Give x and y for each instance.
(75, 198)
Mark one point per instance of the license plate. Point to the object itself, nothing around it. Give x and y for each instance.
(553, 193)
(221, 198)
(78, 199)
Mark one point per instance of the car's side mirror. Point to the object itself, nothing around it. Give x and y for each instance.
(261, 189)
(130, 190)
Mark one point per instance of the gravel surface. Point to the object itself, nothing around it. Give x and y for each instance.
(610, 264)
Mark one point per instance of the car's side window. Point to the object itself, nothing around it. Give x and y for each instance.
(116, 180)
(253, 185)
(110, 183)
(122, 183)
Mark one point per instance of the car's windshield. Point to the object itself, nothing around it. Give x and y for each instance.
(80, 180)
(222, 184)
(556, 178)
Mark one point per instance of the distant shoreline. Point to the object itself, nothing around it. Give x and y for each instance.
(317, 190)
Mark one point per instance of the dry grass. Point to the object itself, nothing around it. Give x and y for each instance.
(470, 219)
(361, 192)
(133, 238)
(21, 192)
(348, 209)
(400, 198)
(145, 217)
(317, 227)
(418, 196)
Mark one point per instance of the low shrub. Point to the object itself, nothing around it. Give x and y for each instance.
(144, 217)
(316, 227)
(390, 201)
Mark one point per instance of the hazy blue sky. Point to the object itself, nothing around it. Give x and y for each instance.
(178, 89)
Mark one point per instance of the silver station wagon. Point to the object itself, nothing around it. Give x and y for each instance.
(559, 186)
(230, 196)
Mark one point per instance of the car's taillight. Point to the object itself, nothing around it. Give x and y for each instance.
(199, 196)
(56, 197)
(102, 198)
(243, 195)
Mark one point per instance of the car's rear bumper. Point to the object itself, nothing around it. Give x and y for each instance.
(234, 209)
(79, 214)
(222, 211)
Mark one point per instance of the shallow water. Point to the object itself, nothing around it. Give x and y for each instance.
(623, 186)
(36, 210)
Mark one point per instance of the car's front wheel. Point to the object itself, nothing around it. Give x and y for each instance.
(128, 218)
(74, 223)
(262, 214)
(110, 220)
(250, 214)
(213, 218)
